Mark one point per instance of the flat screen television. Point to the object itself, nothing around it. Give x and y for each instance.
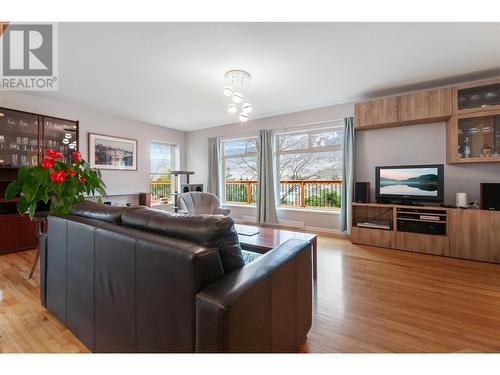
(410, 184)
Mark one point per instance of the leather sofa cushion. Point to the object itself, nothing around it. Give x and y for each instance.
(104, 212)
(207, 230)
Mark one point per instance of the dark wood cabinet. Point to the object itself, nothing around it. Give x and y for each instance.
(24, 136)
(9, 225)
(17, 233)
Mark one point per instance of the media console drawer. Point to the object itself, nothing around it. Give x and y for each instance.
(373, 237)
(422, 243)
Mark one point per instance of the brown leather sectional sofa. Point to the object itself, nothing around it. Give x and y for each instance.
(141, 280)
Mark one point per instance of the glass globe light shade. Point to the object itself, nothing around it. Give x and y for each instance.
(237, 97)
(228, 90)
(243, 117)
(232, 108)
(67, 135)
(246, 108)
(65, 141)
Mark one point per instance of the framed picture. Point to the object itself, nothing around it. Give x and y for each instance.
(106, 152)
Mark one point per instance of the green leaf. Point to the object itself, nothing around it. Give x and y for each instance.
(12, 190)
(31, 209)
(30, 188)
(22, 206)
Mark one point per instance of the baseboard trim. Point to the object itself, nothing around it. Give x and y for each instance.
(320, 230)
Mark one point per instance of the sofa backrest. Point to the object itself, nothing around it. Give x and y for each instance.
(122, 289)
(207, 230)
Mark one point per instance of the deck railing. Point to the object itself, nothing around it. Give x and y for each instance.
(293, 193)
(159, 188)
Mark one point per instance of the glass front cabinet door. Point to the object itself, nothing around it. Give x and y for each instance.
(60, 135)
(473, 132)
(19, 139)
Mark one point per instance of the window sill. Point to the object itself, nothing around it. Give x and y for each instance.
(238, 205)
(310, 210)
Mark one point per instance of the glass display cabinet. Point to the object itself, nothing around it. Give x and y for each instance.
(473, 132)
(24, 136)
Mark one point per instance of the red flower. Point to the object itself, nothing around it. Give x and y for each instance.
(58, 176)
(70, 172)
(76, 155)
(47, 163)
(53, 154)
(83, 180)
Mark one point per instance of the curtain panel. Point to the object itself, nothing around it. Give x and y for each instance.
(213, 183)
(266, 200)
(348, 166)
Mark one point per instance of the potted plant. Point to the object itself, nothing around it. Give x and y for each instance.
(61, 183)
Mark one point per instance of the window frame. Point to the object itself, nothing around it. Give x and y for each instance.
(309, 149)
(174, 151)
(224, 157)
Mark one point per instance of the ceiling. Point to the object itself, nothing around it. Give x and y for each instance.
(172, 74)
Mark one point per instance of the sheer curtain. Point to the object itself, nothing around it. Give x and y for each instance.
(213, 183)
(348, 165)
(266, 202)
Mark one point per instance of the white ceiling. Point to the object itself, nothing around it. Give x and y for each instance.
(171, 74)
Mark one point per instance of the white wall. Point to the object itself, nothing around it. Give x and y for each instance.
(118, 182)
(197, 146)
(419, 144)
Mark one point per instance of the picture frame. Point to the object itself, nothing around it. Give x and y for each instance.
(112, 153)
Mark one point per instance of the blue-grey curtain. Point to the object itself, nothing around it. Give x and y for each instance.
(348, 165)
(266, 202)
(213, 183)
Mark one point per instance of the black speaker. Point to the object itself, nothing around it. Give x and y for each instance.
(185, 188)
(362, 192)
(490, 196)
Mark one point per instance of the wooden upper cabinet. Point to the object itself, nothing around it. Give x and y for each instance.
(427, 105)
(377, 112)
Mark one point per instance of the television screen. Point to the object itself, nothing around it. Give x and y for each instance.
(423, 183)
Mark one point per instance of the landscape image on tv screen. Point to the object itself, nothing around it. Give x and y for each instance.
(409, 181)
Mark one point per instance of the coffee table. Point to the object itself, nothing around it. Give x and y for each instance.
(268, 238)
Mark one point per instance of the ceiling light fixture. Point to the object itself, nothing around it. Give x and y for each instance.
(243, 117)
(246, 108)
(232, 108)
(228, 90)
(236, 88)
(237, 97)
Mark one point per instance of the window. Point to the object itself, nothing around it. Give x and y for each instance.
(240, 170)
(310, 168)
(162, 162)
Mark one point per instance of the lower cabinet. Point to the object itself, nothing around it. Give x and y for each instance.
(474, 234)
(423, 243)
(470, 233)
(373, 237)
(16, 233)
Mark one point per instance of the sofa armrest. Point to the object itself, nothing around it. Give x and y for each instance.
(265, 306)
(222, 211)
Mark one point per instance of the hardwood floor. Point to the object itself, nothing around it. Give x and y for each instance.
(366, 300)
